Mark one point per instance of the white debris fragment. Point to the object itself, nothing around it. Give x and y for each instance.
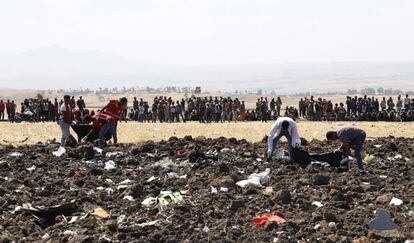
(59, 152)
(98, 150)
(113, 154)
(331, 225)
(396, 157)
(224, 189)
(214, 190)
(90, 162)
(225, 150)
(318, 226)
(256, 179)
(15, 154)
(31, 168)
(148, 201)
(69, 232)
(17, 209)
(46, 237)
(121, 218)
(129, 198)
(206, 229)
(73, 219)
(125, 182)
(317, 204)
(110, 165)
(152, 178)
(378, 145)
(396, 201)
(171, 175)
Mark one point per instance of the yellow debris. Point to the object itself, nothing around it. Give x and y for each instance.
(100, 212)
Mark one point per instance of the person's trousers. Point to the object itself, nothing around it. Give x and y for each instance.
(65, 132)
(107, 127)
(235, 116)
(357, 143)
(276, 139)
(2, 115)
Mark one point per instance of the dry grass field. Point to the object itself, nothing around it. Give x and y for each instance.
(133, 132)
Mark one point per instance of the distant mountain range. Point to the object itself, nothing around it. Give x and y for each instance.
(54, 67)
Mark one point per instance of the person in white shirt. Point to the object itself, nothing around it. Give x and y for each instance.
(284, 126)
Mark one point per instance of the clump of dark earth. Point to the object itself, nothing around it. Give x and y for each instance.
(194, 167)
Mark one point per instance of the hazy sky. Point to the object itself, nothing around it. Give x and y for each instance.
(194, 32)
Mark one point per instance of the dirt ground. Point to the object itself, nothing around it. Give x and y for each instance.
(133, 132)
(164, 192)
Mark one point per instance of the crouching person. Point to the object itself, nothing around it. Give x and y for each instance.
(109, 117)
(351, 137)
(283, 127)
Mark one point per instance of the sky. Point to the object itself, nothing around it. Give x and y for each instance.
(213, 32)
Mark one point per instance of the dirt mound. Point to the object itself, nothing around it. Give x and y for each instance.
(186, 189)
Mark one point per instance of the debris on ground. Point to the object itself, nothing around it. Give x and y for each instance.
(262, 220)
(80, 181)
(110, 165)
(101, 213)
(59, 152)
(256, 179)
(396, 201)
(382, 221)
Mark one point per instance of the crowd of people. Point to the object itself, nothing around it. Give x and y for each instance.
(222, 109)
(204, 110)
(36, 109)
(358, 109)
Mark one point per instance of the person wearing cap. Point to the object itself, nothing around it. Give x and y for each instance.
(283, 127)
(351, 137)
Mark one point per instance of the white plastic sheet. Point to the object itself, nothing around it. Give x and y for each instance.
(256, 179)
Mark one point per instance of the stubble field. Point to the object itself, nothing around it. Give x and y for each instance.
(133, 132)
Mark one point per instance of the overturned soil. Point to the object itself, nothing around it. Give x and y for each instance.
(79, 178)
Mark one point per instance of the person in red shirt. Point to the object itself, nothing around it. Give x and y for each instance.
(65, 119)
(108, 118)
(2, 108)
(81, 115)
